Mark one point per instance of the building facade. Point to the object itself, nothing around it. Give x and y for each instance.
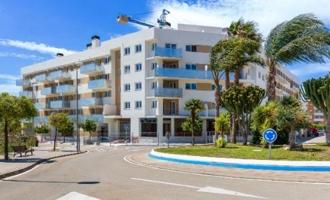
(135, 86)
(315, 115)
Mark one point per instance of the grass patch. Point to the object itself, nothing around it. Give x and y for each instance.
(313, 153)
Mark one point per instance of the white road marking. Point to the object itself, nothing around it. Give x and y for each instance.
(76, 196)
(206, 189)
(126, 158)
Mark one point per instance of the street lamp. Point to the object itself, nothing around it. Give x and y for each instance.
(78, 64)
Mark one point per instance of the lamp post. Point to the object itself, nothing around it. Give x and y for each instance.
(77, 109)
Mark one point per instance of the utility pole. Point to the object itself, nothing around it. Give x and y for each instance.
(77, 114)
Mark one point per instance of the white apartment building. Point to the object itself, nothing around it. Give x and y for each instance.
(135, 86)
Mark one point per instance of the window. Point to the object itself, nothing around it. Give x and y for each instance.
(138, 48)
(127, 69)
(127, 105)
(191, 48)
(153, 85)
(138, 104)
(191, 66)
(153, 46)
(154, 104)
(170, 46)
(127, 51)
(107, 60)
(138, 67)
(138, 86)
(212, 87)
(127, 87)
(191, 86)
(107, 94)
(153, 66)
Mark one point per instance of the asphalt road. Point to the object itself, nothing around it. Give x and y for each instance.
(102, 173)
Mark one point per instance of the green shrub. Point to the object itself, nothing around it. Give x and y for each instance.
(256, 137)
(221, 143)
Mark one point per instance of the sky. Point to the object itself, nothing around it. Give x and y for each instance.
(33, 31)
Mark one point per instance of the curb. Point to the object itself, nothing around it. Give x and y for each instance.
(19, 171)
(270, 165)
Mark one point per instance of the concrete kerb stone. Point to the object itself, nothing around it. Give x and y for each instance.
(22, 170)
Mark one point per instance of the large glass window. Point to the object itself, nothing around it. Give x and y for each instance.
(148, 127)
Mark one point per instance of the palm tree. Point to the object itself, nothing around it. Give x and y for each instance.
(302, 39)
(194, 106)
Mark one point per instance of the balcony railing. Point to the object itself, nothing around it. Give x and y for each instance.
(40, 78)
(23, 82)
(90, 102)
(110, 110)
(167, 92)
(98, 84)
(95, 117)
(167, 52)
(28, 94)
(91, 68)
(57, 75)
(40, 105)
(48, 91)
(63, 89)
(59, 104)
(40, 120)
(182, 73)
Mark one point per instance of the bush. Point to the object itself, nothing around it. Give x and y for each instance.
(221, 143)
(256, 137)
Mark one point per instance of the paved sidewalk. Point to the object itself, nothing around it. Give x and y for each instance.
(142, 158)
(44, 151)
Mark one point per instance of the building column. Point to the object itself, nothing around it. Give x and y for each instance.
(172, 127)
(135, 127)
(204, 130)
(159, 110)
(159, 129)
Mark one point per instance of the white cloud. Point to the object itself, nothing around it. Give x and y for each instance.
(21, 56)
(8, 84)
(310, 69)
(267, 13)
(33, 46)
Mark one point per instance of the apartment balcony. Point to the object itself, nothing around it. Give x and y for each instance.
(167, 92)
(170, 111)
(65, 89)
(98, 84)
(58, 75)
(24, 83)
(90, 102)
(59, 104)
(182, 73)
(167, 52)
(48, 91)
(40, 120)
(91, 68)
(40, 78)
(27, 94)
(95, 117)
(39, 106)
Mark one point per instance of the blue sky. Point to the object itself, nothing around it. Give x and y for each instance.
(34, 30)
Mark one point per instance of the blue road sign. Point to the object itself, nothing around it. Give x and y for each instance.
(270, 135)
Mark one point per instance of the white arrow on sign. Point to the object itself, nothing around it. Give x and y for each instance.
(206, 189)
(76, 196)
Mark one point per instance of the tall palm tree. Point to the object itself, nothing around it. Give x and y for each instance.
(194, 106)
(302, 39)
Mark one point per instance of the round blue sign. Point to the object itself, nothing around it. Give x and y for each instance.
(270, 135)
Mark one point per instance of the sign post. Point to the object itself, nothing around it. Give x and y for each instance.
(270, 136)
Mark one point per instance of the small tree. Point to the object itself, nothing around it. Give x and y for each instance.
(89, 126)
(42, 129)
(318, 92)
(58, 121)
(193, 123)
(66, 130)
(13, 109)
(222, 125)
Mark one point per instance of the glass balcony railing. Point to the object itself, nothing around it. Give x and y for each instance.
(65, 89)
(23, 82)
(98, 84)
(95, 117)
(182, 73)
(48, 91)
(40, 105)
(28, 94)
(168, 92)
(168, 52)
(91, 68)
(56, 75)
(90, 102)
(40, 120)
(40, 78)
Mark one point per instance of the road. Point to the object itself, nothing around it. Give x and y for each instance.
(102, 173)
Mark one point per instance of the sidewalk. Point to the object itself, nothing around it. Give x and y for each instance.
(41, 153)
(142, 158)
